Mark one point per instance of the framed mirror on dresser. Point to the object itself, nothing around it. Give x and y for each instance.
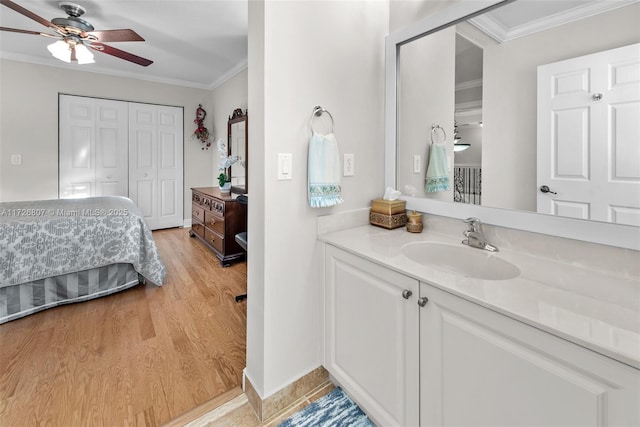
(238, 138)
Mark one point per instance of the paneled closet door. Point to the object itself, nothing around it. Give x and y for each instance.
(155, 163)
(92, 148)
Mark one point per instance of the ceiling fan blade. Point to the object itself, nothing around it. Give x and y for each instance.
(29, 14)
(116, 36)
(35, 33)
(100, 47)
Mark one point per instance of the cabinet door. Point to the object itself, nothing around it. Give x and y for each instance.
(480, 368)
(371, 341)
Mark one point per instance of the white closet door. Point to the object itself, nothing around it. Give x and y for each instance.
(170, 167)
(155, 163)
(111, 148)
(76, 147)
(92, 147)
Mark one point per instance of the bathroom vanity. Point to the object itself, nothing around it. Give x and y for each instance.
(415, 343)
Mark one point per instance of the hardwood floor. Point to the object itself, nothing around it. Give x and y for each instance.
(139, 357)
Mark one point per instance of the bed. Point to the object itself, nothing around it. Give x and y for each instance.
(55, 252)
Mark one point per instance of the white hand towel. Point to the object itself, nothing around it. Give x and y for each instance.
(324, 171)
(437, 171)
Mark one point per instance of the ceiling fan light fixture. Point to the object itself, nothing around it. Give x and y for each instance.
(83, 54)
(60, 50)
(460, 147)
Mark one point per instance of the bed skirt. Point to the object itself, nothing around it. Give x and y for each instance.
(27, 298)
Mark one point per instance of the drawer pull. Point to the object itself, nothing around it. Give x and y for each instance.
(213, 222)
(212, 240)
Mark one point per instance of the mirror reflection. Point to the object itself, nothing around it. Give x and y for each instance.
(238, 149)
(539, 103)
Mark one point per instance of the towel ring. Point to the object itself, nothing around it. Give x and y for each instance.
(434, 129)
(317, 112)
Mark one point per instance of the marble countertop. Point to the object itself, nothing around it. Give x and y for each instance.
(595, 309)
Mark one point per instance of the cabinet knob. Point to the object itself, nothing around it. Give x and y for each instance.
(213, 221)
(406, 294)
(422, 301)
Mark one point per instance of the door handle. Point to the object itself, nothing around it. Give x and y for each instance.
(546, 189)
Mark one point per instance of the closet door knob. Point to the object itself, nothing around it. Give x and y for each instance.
(597, 96)
(406, 294)
(108, 176)
(422, 301)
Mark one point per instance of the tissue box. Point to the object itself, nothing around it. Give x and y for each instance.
(388, 207)
(388, 213)
(388, 221)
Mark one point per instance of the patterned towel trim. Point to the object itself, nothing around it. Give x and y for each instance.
(324, 195)
(437, 184)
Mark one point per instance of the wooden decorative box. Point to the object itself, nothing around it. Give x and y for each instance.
(388, 221)
(388, 207)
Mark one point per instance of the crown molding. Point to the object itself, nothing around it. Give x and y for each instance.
(496, 30)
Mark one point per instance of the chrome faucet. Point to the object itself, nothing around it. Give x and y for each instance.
(475, 236)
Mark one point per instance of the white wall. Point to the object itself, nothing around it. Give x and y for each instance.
(303, 54)
(29, 124)
(226, 98)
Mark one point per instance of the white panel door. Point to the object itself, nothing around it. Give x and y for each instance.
(111, 148)
(371, 342)
(92, 147)
(155, 163)
(76, 147)
(170, 167)
(589, 136)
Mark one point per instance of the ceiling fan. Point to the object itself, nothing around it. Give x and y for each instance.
(75, 35)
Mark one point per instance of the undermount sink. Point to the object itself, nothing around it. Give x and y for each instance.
(461, 260)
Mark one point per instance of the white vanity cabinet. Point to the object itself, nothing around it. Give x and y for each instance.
(436, 359)
(371, 336)
(481, 368)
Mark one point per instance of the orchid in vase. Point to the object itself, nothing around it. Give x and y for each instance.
(226, 161)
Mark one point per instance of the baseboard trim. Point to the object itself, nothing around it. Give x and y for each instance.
(204, 408)
(270, 406)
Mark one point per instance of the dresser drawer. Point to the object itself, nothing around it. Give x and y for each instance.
(214, 222)
(197, 227)
(197, 212)
(214, 239)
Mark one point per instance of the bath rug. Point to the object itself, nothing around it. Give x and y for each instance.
(333, 410)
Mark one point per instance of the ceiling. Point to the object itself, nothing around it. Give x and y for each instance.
(192, 43)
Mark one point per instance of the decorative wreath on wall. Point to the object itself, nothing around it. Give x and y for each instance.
(201, 133)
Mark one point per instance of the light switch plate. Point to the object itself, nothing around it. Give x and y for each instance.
(417, 163)
(285, 166)
(349, 167)
(16, 159)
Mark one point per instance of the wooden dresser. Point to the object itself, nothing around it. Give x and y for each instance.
(216, 219)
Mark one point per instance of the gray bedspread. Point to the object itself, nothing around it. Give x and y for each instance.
(40, 239)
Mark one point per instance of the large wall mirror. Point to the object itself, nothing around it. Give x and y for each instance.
(238, 134)
(529, 94)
